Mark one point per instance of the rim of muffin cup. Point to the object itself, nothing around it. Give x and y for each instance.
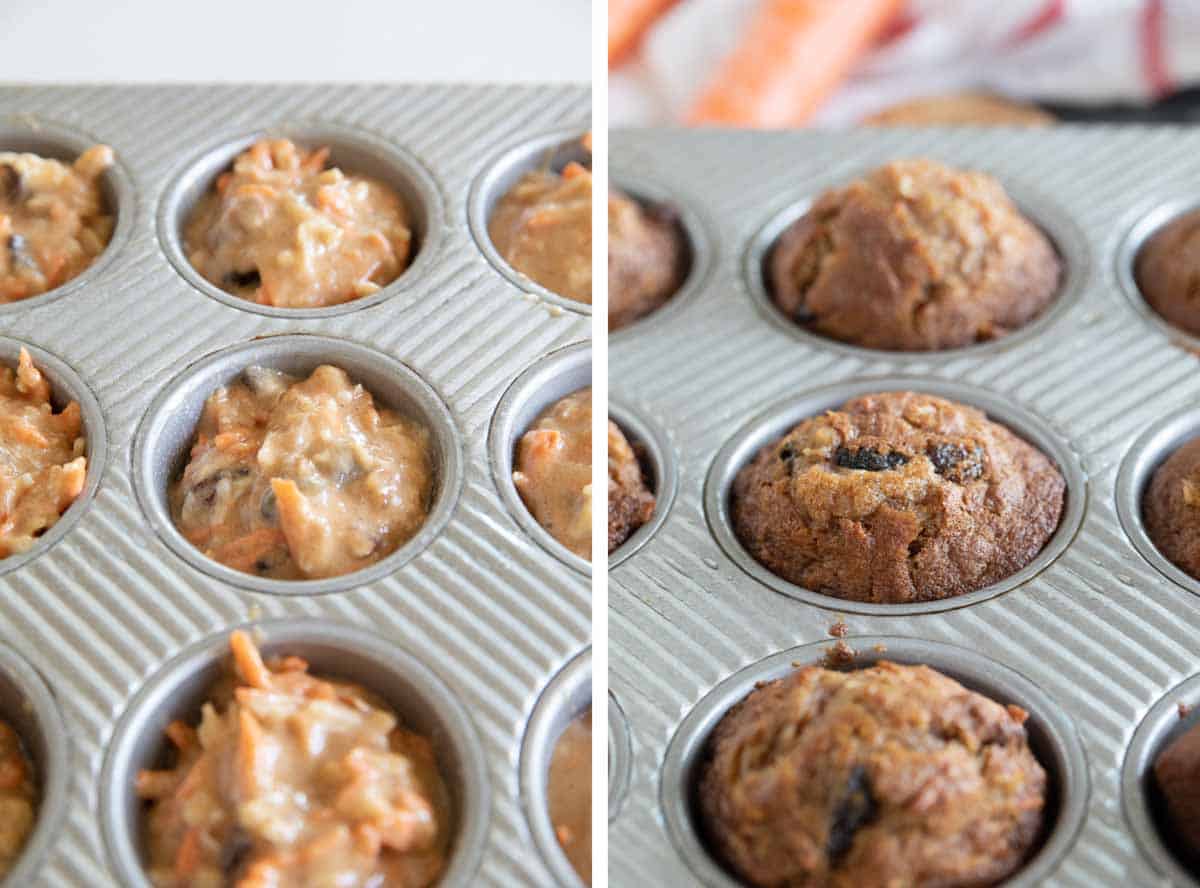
(1068, 242)
(1147, 453)
(165, 434)
(30, 708)
(1141, 225)
(398, 676)
(660, 470)
(1052, 738)
(697, 245)
(56, 141)
(620, 757)
(498, 175)
(775, 421)
(66, 385)
(567, 696)
(355, 152)
(548, 379)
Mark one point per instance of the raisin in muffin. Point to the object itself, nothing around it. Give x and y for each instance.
(1168, 272)
(897, 497)
(890, 775)
(647, 259)
(630, 502)
(1177, 775)
(1171, 508)
(914, 256)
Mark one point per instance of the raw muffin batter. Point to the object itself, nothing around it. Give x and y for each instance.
(647, 259)
(963, 109)
(1168, 272)
(1177, 774)
(303, 479)
(53, 220)
(569, 790)
(290, 780)
(630, 503)
(554, 471)
(284, 228)
(886, 776)
(897, 497)
(42, 466)
(914, 256)
(543, 229)
(1171, 508)
(18, 798)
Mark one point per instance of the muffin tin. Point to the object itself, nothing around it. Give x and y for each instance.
(1094, 628)
(462, 629)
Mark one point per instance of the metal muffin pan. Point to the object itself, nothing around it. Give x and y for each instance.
(552, 151)
(1094, 626)
(111, 612)
(420, 699)
(656, 453)
(1052, 738)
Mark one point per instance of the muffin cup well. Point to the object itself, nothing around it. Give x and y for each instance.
(553, 377)
(1142, 224)
(66, 387)
(356, 153)
(27, 704)
(565, 698)
(177, 691)
(1151, 449)
(776, 421)
(1144, 806)
(1052, 737)
(552, 150)
(26, 134)
(166, 433)
(620, 757)
(1058, 227)
(661, 468)
(697, 245)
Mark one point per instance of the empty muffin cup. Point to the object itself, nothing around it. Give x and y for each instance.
(550, 379)
(66, 386)
(552, 151)
(567, 697)
(660, 469)
(21, 134)
(1052, 738)
(422, 700)
(165, 435)
(355, 152)
(776, 421)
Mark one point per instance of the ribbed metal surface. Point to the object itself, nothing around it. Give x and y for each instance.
(485, 607)
(1100, 630)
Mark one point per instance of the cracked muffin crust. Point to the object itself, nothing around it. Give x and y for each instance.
(630, 502)
(42, 462)
(897, 497)
(647, 258)
(914, 256)
(302, 479)
(292, 780)
(18, 798)
(284, 228)
(53, 220)
(1171, 508)
(1167, 269)
(884, 776)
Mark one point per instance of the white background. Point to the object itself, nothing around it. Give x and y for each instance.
(334, 40)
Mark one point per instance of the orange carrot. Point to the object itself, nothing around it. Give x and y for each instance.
(628, 20)
(793, 54)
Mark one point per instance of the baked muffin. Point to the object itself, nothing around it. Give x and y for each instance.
(1171, 508)
(630, 502)
(891, 775)
(897, 497)
(1168, 272)
(647, 258)
(961, 109)
(1177, 775)
(914, 256)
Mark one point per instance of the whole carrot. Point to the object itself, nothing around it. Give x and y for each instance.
(628, 20)
(793, 54)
